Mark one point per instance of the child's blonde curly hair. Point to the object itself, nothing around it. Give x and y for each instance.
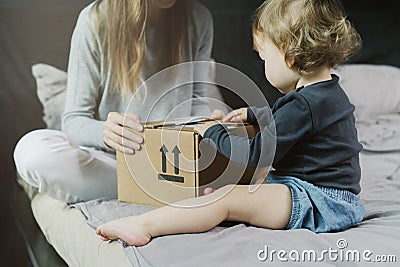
(310, 33)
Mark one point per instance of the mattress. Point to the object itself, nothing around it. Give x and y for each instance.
(67, 231)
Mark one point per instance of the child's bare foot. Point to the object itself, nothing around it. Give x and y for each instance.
(128, 229)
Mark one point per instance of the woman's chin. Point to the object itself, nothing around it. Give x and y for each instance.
(163, 4)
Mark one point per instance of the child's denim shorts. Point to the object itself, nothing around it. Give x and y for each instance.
(320, 209)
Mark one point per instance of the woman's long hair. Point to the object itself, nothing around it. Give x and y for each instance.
(122, 27)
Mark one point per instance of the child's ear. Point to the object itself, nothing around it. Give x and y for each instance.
(289, 62)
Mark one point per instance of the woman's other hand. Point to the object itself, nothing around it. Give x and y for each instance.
(123, 132)
(238, 115)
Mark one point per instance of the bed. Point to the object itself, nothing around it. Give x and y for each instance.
(373, 88)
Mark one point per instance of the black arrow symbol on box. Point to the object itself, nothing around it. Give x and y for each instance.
(176, 152)
(164, 151)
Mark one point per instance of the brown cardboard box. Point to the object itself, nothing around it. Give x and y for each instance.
(174, 164)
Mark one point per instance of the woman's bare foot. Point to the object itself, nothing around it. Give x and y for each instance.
(129, 229)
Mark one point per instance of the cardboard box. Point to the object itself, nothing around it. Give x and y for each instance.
(175, 164)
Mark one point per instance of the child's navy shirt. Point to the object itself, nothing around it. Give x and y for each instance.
(316, 137)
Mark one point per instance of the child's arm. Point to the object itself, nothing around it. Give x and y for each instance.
(278, 133)
(252, 152)
(261, 116)
(254, 115)
(238, 115)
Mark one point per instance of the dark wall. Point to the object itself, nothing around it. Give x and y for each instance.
(233, 44)
(379, 26)
(31, 31)
(377, 22)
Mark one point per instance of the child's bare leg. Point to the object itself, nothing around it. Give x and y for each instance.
(269, 207)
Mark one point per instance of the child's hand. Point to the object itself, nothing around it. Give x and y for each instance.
(238, 115)
(201, 129)
(218, 114)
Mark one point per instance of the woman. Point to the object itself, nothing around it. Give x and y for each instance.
(116, 45)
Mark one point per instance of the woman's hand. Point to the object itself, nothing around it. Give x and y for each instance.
(238, 115)
(122, 132)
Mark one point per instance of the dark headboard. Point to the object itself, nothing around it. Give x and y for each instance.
(33, 31)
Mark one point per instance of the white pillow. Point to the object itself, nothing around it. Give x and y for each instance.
(373, 89)
(51, 86)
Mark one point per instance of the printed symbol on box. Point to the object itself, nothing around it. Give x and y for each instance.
(170, 178)
(176, 152)
(164, 151)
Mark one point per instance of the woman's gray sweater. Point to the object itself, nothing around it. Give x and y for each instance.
(88, 102)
